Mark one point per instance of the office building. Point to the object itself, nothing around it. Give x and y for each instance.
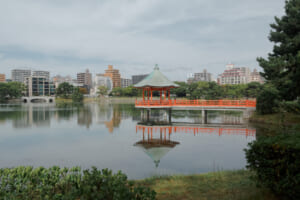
(85, 78)
(19, 75)
(138, 78)
(39, 73)
(39, 86)
(2, 78)
(234, 75)
(202, 76)
(125, 82)
(114, 75)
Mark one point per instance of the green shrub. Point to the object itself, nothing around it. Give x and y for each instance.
(268, 100)
(291, 106)
(64, 184)
(276, 162)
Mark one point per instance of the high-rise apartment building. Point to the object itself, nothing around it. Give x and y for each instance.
(138, 78)
(45, 74)
(19, 75)
(202, 76)
(39, 86)
(125, 82)
(62, 79)
(256, 77)
(85, 78)
(2, 78)
(101, 80)
(234, 75)
(114, 75)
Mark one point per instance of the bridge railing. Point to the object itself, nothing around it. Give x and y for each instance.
(197, 102)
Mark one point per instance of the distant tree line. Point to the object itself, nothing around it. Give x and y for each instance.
(11, 90)
(200, 90)
(68, 91)
(211, 90)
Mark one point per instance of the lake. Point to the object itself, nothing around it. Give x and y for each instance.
(112, 135)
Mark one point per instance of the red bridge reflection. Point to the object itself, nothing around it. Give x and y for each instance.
(196, 130)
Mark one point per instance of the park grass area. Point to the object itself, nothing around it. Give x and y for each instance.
(234, 185)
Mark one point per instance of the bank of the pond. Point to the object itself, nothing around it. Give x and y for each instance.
(289, 119)
(235, 185)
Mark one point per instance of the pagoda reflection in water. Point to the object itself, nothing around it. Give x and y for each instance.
(156, 148)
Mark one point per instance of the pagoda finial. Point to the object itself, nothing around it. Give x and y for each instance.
(156, 67)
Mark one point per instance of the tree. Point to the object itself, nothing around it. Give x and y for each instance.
(11, 90)
(77, 96)
(282, 67)
(181, 90)
(64, 90)
(102, 90)
(267, 100)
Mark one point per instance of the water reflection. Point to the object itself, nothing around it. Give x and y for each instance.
(108, 135)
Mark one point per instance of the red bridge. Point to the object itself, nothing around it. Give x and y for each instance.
(196, 103)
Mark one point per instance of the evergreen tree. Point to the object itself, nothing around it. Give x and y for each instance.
(282, 67)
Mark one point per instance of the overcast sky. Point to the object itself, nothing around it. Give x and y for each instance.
(181, 36)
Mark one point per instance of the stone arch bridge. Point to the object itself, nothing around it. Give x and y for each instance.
(34, 99)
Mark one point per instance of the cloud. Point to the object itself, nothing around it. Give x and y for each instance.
(133, 35)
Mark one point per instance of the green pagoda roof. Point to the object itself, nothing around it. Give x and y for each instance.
(155, 79)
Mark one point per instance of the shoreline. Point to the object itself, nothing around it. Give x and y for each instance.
(235, 184)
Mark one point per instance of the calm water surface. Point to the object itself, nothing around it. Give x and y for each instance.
(112, 136)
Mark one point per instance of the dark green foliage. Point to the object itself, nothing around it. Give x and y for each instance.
(77, 96)
(64, 90)
(181, 90)
(267, 100)
(282, 67)
(253, 89)
(11, 90)
(291, 106)
(276, 162)
(27, 183)
(125, 92)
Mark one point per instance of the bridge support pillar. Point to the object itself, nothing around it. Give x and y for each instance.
(148, 114)
(170, 115)
(204, 116)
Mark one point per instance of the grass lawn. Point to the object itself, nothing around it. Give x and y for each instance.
(233, 185)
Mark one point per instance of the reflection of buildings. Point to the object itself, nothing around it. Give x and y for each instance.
(156, 148)
(35, 114)
(115, 121)
(85, 117)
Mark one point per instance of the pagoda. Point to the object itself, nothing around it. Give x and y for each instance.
(156, 81)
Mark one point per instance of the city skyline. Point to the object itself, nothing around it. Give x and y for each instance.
(133, 36)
